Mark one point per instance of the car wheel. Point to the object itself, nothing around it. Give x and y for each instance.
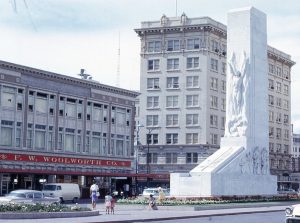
(75, 200)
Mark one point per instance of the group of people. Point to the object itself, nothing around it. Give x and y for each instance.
(110, 201)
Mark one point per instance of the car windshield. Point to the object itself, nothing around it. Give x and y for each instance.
(14, 194)
(50, 187)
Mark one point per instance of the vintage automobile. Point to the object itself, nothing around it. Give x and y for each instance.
(292, 214)
(28, 197)
(154, 192)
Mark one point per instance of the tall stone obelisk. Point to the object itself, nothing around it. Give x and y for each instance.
(241, 165)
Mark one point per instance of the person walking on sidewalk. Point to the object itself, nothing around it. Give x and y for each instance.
(112, 204)
(107, 202)
(94, 193)
(152, 203)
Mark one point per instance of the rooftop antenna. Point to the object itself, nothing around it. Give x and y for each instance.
(176, 8)
(118, 65)
(84, 76)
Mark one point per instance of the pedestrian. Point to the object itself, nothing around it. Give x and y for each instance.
(94, 194)
(161, 195)
(112, 204)
(152, 203)
(107, 203)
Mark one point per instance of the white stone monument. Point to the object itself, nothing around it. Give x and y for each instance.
(241, 165)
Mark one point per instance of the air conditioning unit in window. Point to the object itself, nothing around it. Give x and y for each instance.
(175, 85)
(156, 87)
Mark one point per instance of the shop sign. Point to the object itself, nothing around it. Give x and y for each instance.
(62, 160)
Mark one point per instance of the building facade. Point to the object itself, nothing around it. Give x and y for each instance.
(56, 128)
(183, 95)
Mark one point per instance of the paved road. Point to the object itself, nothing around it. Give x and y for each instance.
(229, 213)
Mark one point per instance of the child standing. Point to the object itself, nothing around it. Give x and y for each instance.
(112, 204)
(108, 199)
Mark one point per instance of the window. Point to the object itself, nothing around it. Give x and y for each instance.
(285, 119)
(279, 71)
(193, 44)
(152, 120)
(29, 136)
(172, 82)
(271, 116)
(271, 131)
(152, 158)
(172, 120)
(153, 102)
(18, 134)
(271, 100)
(78, 141)
(271, 84)
(173, 45)
(192, 100)
(223, 120)
(153, 83)
(171, 158)
(192, 62)
(153, 65)
(172, 138)
(154, 46)
(278, 117)
(223, 68)
(6, 137)
(278, 147)
(223, 104)
(278, 102)
(213, 120)
(223, 86)
(192, 119)
(120, 145)
(172, 101)
(192, 158)
(214, 101)
(191, 138)
(87, 142)
(40, 137)
(192, 82)
(214, 46)
(152, 139)
(278, 86)
(213, 139)
(214, 83)
(286, 134)
(8, 97)
(271, 68)
(214, 64)
(285, 89)
(173, 64)
(271, 147)
(278, 133)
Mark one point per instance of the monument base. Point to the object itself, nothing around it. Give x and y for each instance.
(223, 184)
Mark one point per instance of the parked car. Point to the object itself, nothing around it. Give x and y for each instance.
(287, 191)
(292, 214)
(28, 197)
(154, 192)
(63, 191)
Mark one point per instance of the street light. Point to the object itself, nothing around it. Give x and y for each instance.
(137, 155)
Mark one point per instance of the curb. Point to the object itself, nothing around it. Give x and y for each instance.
(43, 215)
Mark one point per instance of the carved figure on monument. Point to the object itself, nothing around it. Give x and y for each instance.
(256, 159)
(238, 78)
(264, 161)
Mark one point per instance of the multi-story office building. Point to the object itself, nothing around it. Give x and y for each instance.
(55, 128)
(183, 95)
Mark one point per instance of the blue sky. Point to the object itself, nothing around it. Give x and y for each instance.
(64, 36)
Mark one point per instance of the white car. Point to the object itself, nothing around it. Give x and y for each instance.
(292, 214)
(28, 197)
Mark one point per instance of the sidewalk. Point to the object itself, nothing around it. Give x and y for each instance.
(134, 213)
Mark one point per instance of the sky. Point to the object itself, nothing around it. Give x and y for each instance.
(64, 36)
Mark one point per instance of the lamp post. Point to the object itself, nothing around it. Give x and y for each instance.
(137, 156)
(148, 138)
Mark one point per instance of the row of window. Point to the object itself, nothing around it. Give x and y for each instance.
(191, 63)
(278, 117)
(41, 137)
(172, 120)
(189, 44)
(191, 101)
(280, 164)
(278, 102)
(278, 87)
(279, 71)
(278, 133)
(191, 82)
(172, 158)
(172, 138)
